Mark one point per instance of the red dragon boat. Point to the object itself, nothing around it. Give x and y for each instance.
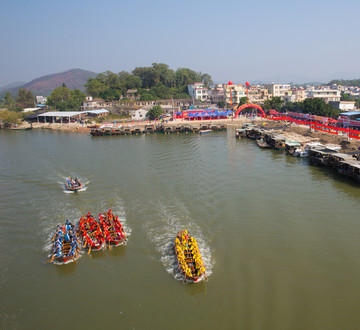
(91, 233)
(112, 229)
(189, 258)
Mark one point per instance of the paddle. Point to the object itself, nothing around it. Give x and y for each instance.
(52, 258)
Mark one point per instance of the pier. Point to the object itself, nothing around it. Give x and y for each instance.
(148, 129)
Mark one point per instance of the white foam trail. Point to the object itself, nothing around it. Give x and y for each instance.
(175, 217)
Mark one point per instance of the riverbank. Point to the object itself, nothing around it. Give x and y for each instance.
(292, 132)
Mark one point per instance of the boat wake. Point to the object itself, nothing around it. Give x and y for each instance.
(65, 211)
(173, 218)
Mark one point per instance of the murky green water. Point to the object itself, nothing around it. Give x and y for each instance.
(280, 238)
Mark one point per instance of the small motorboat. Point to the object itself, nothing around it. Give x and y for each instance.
(189, 258)
(73, 185)
(112, 229)
(65, 244)
(91, 233)
(204, 131)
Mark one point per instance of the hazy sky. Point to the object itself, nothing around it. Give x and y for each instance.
(231, 40)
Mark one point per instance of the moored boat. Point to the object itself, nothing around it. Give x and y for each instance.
(204, 131)
(189, 258)
(262, 144)
(112, 229)
(73, 185)
(91, 233)
(65, 244)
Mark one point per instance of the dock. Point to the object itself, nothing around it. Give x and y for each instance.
(149, 129)
(347, 164)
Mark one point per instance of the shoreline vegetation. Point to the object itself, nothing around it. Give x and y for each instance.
(293, 131)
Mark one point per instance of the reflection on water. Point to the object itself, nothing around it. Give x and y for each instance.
(279, 237)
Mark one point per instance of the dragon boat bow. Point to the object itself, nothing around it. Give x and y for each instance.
(189, 258)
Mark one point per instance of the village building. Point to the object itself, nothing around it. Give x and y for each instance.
(65, 116)
(278, 90)
(325, 93)
(198, 91)
(295, 95)
(131, 94)
(257, 94)
(216, 94)
(233, 94)
(343, 105)
(139, 114)
(40, 99)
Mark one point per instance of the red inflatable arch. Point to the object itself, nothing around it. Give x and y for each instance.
(249, 106)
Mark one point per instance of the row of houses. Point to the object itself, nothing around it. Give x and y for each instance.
(232, 93)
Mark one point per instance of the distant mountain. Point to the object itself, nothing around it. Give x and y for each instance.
(12, 85)
(75, 78)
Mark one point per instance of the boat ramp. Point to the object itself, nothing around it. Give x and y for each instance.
(148, 129)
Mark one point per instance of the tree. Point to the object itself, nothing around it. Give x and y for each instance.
(148, 76)
(155, 112)
(317, 106)
(243, 101)
(221, 104)
(9, 100)
(95, 87)
(110, 94)
(206, 79)
(25, 98)
(357, 103)
(160, 91)
(10, 117)
(346, 97)
(185, 76)
(64, 99)
(293, 107)
(77, 98)
(147, 97)
(58, 95)
(275, 103)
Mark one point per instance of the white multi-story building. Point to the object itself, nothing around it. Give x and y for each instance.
(344, 105)
(324, 93)
(279, 90)
(198, 91)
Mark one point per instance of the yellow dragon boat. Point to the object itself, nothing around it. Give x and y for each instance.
(189, 258)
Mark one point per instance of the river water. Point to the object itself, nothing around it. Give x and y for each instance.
(280, 238)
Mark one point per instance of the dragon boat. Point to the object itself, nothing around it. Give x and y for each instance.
(91, 233)
(112, 229)
(65, 244)
(73, 185)
(189, 258)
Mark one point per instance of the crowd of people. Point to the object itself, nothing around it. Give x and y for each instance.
(188, 255)
(65, 243)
